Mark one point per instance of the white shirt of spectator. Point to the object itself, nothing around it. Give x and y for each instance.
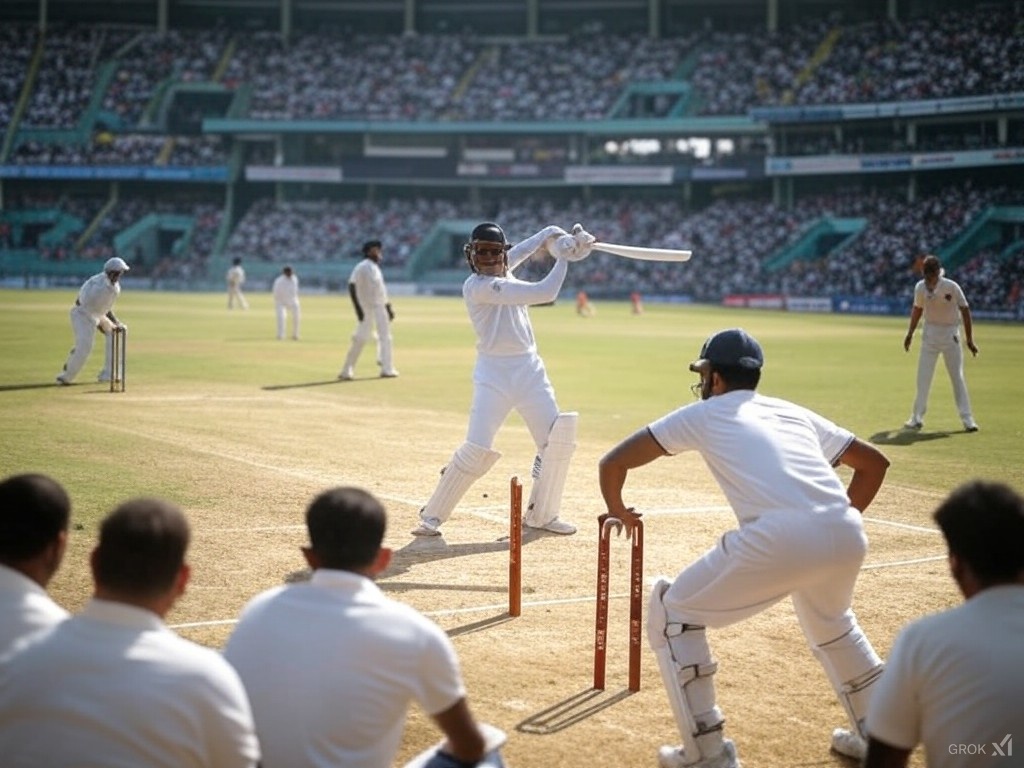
(369, 282)
(286, 290)
(331, 667)
(26, 608)
(114, 686)
(742, 429)
(941, 306)
(953, 682)
(98, 295)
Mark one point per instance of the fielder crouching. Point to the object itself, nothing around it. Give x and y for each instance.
(800, 536)
(509, 373)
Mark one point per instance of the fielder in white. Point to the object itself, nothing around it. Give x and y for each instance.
(94, 310)
(943, 305)
(510, 374)
(800, 536)
(373, 309)
(286, 301)
(235, 278)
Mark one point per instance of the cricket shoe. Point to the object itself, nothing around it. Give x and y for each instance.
(971, 426)
(429, 526)
(913, 423)
(62, 381)
(849, 743)
(560, 527)
(346, 376)
(674, 757)
(389, 374)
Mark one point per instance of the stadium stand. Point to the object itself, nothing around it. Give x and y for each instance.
(816, 158)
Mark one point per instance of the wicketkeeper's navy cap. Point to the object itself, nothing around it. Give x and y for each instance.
(730, 348)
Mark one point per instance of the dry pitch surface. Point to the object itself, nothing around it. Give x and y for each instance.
(530, 675)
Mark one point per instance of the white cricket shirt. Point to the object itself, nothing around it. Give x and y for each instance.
(767, 454)
(113, 686)
(331, 667)
(26, 608)
(954, 682)
(369, 282)
(97, 295)
(286, 289)
(941, 306)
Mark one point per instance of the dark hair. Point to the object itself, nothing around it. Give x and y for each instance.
(346, 528)
(931, 265)
(983, 523)
(236, 260)
(737, 376)
(142, 547)
(34, 509)
(370, 244)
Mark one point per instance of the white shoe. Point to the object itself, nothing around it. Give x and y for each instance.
(971, 426)
(849, 743)
(346, 376)
(674, 757)
(913, 423)
(62, 381)
(555, 526)
(428, 527)
(389, 374)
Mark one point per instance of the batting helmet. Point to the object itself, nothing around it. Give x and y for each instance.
(487, 249)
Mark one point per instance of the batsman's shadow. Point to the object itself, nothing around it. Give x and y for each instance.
(906, 436)
(429, 549)
(572, 710)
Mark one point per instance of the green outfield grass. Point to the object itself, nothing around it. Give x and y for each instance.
(188, 352)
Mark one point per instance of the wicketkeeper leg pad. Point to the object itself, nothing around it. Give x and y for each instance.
(853, 668)
(687, 669)
(549, 482)
(469, 463)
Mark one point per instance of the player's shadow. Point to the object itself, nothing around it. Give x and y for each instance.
(572, 710)
(906, 436)
(302, 385)
(427, 549)
(37, 385)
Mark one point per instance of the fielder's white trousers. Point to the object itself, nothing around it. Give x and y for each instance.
(235, 295)
(502, 383)
(284, 309)
(812, 558)
(373, 315)
(941, 340)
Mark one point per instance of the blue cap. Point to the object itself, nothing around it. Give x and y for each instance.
(733, 347)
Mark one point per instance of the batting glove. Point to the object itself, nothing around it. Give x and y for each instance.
(584, 242)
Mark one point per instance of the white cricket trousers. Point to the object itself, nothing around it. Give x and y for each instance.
(373, 315)
(84, 328)
(941, 340)
(501, 383)
(812, 558)
(284, 309)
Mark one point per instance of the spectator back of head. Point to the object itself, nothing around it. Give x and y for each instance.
(346, 528)
(34, 509)
(142, 548)
(983, 523)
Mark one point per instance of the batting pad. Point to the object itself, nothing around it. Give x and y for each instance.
(546, 494)
(469, 463)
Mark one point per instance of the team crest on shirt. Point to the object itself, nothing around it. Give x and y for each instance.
(496, 287)
(948, 297)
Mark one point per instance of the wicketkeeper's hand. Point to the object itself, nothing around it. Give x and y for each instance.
(391, 312)
(359, 315)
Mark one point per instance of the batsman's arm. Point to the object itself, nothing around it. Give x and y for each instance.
(638, 449)
(869, 467)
